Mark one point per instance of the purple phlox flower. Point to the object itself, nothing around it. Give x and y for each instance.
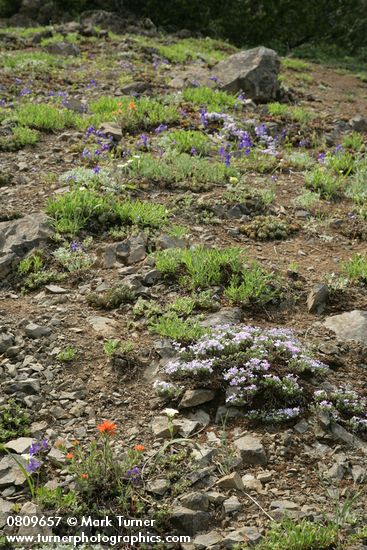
(321, 158)
(161, 128)
(338, 149)
(96, 169)
(25, 91)
(33, 465)
(261, 130)
(193, 151)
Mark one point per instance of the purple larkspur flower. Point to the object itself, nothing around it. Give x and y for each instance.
(143, 141)
(304, 143)
(18, 81)
(161, 128)
(96, 169)
(214, 78)
(261, 130)
(33, 465)
(74, 246)
(25, 91)
(193, 151)
(338, 149)
(2, 102)
(203, 117)
(86, 154)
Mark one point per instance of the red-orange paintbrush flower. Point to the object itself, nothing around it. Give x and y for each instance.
(107, 427)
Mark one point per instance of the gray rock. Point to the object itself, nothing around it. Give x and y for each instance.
(6, 509)
(284, 505)
(232, 505)
(301, 427)
(359, 474)
(54, 289)
(351, 325)
(187, 427)
(251, 450)
(216, 498)
(10, 473)
(189, 522)
(250, 483)
(20, 445)
(56, 457)
(102, 325)
(30, 509)
(126, 252)
(165, 241)
(227, 315)
(32, 330)
(204, 455)
(158, 486)
(6, 341)
(193, 398)
(138, 87)
(358, 123)
(63, 48)
(317, 298)
(75, 105)
(195, 501)
(207, 540)
(231, 481)
(31, 386)
(18, 237)
(112, 130)
(255, 72)
(160, 427)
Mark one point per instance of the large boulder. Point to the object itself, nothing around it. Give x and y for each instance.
(254, 72)
(351, 325)
(18, 237)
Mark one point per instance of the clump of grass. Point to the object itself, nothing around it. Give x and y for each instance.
(356, 268)
(66, 355)
(187, 141)
(202, 268)
(278, 109)
(303, 535)
(257, 161)
(40, 61)
(307, 199)
(178, 168)
(45, 117)
(353, 141)
(79, 208)
(323, 182)
(21, 136)
(213, 100)
(112, 298)
(189, 48)
(300, 160)
(295, 64)
(301, 115)
(174, 327)
(342, 163)
(131, 112)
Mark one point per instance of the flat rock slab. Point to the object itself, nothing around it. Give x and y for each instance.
(351, 325)
(102, 325)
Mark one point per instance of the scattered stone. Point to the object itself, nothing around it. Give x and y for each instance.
(207, 540)
(254, 72)
(193, 398)
(32, 330)
(351, 325)
(20, 445)
(159, 486)
(10, 473)
(126, 252)
(251, 450)
(75, 105)
(165, 241)
(189, 522)
(56, 457)
(31, 510)
(317, 299)
(6, 341)
(103, 325)
(301, 427)
(63, 48)
(20, 236)
(195, 501)
(160, 427)
(111, 130)
(265, 477)
(232, 505)
(359, 474)
(187, 427)
(138, 87)
(216, 498)
(54, 289)
(225, 316)
(6, 509)
(250, 483)
(231, 481)
(358, 123)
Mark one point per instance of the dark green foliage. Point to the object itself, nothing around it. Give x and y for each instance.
(14, 421)
(8, 7)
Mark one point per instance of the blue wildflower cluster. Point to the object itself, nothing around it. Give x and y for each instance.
(36, 450)
(262, 370)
